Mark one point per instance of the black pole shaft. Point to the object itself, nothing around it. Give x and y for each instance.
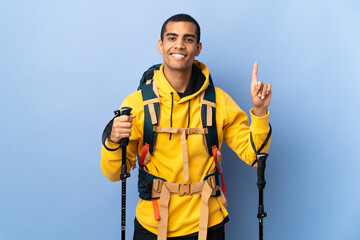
(261, 210)
(261, 227)
(123, 197)
(123, 209)
(261, 159)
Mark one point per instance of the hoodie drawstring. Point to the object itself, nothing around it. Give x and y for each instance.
(188, 117)
(172, 105)
(188, 114)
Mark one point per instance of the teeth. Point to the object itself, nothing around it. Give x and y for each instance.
(178, 56)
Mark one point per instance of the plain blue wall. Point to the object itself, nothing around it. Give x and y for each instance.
(66, 65)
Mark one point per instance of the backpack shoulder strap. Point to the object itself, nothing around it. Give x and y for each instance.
(208, 117)
(151, 101)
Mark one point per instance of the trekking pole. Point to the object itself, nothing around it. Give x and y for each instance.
(124, 174)
(261, 159)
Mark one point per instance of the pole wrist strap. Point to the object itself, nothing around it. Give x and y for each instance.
(258, 152)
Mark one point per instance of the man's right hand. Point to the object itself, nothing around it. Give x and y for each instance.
(121, 128)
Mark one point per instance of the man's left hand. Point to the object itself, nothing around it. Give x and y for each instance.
(260, 94)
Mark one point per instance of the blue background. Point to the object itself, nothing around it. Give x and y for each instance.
(66, 65)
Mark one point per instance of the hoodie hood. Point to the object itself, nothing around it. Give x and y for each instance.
(166, 90)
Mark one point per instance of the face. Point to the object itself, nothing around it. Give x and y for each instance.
(179, 46)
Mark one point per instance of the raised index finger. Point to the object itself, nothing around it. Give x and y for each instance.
(254, 73)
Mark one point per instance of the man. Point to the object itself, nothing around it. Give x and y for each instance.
(181, 161)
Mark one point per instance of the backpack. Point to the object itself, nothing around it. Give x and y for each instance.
(152, 113)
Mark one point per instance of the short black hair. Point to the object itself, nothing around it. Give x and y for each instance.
(181, 18)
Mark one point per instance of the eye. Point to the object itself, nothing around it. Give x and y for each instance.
(189, 40)
(171, 39)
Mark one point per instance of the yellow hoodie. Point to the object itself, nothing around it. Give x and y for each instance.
(167, 160)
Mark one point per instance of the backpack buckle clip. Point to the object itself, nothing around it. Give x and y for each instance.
(184, 189)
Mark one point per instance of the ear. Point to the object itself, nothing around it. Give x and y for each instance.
(160, 46)
(199, 47)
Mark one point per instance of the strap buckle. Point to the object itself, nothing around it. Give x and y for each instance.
(157, 185)
(184, 189)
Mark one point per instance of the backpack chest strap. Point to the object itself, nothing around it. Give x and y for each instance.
(187, 131)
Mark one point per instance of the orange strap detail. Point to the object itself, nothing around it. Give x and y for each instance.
(143, 154)
(156, 209)
(214, 152)
(222, 180)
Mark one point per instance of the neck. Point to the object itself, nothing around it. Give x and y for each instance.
(179, 80)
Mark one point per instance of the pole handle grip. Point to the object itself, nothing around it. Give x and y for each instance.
(261, 159)
(123, 111)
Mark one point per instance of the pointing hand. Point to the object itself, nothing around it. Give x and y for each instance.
(260, 94)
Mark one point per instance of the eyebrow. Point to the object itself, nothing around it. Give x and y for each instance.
(185, 35)
(190, 35)
(171, 34)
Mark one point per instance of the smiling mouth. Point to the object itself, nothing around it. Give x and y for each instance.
(178, 56)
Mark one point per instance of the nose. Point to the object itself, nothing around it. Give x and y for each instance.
(179, 44)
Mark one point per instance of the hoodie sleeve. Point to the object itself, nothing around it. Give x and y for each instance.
(236, 130)
(111, 160)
